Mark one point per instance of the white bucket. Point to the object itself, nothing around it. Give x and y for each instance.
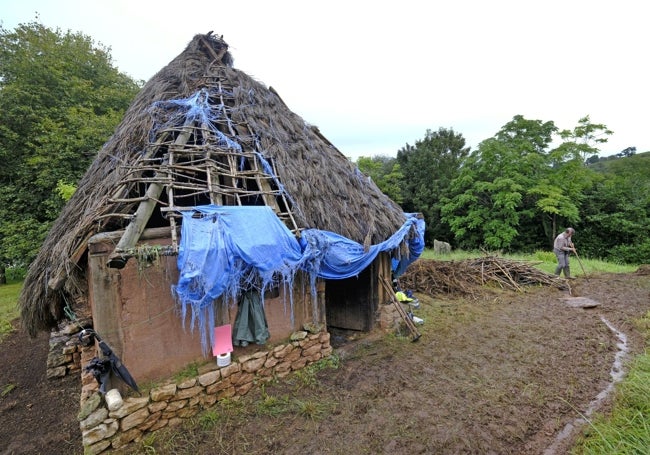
(223, 360)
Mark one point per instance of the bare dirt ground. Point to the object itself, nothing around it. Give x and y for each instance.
(37, 415)
(504, 373)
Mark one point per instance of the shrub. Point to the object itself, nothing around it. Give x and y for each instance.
(631, 254)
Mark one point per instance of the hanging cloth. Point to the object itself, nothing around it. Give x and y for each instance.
(250, 324)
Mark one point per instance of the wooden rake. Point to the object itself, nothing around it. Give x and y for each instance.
(580, 262)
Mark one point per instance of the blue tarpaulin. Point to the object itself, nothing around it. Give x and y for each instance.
(227, 249)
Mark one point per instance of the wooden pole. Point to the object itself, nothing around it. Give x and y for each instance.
(415, 335)
(133, 231)
(581, 266)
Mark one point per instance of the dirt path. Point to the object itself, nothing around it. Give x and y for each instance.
(37, 415)
(503, 374)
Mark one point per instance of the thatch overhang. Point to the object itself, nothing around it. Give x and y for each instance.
(320, 187)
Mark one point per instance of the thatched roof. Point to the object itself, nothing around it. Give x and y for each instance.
(315, 184)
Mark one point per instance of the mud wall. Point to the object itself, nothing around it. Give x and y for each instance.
(133, 310)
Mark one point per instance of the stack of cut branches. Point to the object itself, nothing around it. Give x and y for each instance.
(468, 276)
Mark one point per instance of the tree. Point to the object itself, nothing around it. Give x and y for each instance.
(60, 100)
(582, 142)
(571, 174)
(386, 173)
(429, 167)
(616, 211)
(490, 199)
(514, 184)
(627, 152)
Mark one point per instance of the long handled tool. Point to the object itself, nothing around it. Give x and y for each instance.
(580, 262)
(415, 335)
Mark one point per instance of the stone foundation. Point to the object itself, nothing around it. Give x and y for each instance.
(169, 404)
(64, 356)
(388, 317)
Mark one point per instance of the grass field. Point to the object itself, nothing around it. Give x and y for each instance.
(8, 309)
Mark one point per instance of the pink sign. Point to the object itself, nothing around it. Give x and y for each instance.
(222, 340)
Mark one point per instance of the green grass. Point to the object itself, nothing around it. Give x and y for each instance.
(626, 430)
(8, 306)
(190, 371)
(307, 376)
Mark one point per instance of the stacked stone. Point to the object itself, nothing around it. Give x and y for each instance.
(388, 317)
(169, 404)
(64, 355)
(89, 385)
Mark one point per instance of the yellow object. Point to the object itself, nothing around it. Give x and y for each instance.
(402, 297)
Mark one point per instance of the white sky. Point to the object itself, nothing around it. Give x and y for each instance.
(375, 75)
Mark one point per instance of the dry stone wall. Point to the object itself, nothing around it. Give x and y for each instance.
(64, 356)
(388, 317)
(169, 404)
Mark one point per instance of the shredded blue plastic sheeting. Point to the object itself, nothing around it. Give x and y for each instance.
(195, 109)
(227, 249)
(415, 244)
(339, 257)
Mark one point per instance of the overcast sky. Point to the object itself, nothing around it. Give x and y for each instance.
(375, 75)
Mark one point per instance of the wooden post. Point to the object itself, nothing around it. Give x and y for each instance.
(133, 231)
(320, 303)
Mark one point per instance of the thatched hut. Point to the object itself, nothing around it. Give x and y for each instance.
(202, 133)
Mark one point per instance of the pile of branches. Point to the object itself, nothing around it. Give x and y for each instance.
(468, 276)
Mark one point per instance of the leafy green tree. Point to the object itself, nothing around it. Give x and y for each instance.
(60, 100)
(515, 193)
(616, 221)
(583, 141)
(386, 173)
(490, 197)
(429, 167)
(571, 175)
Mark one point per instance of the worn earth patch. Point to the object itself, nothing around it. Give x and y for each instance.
(503, 373)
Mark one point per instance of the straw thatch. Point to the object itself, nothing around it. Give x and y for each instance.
(325, 189)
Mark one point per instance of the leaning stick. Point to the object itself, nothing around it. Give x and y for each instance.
(580, 262)
(415, 335)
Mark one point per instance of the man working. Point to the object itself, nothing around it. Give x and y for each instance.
(562, 247)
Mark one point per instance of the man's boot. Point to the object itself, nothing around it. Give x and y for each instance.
(567, 273)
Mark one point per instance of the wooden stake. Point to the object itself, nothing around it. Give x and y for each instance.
(415, 335)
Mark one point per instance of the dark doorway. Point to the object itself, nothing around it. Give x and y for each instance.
(351, 303)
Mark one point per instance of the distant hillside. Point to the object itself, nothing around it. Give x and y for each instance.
(637, 165)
